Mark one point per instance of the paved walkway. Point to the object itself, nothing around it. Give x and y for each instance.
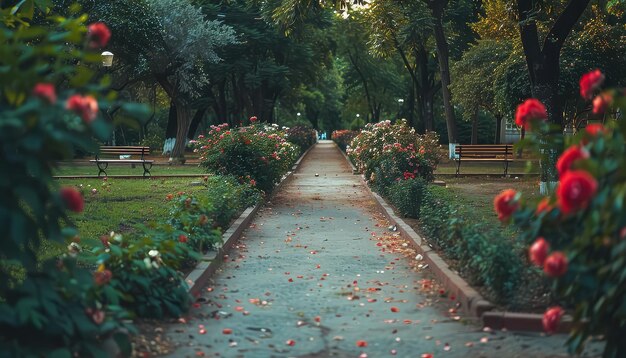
(319, 274)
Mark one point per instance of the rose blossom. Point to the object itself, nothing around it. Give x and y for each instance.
(46, 92)
(102, 277)
(505, 204)
(569, 156)
(602, 101)
(72, 198)
(556, 264)
(595, 129)
(84, 106)
(538, 251)
(552, 318)
(543, 206)
(532, 109)
(589, 82)
(576, 190)
(98, 34)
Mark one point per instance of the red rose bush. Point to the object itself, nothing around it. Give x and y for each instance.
(577, 235)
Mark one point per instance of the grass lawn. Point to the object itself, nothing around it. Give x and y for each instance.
(119, 204)
(81, 168)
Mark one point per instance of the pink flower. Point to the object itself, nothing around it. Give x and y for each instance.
(98, 34)
(589, 82)
(602, 101)
(84, 106)
(253, 119)
(531, 110)
(72, 198)
(46, 92)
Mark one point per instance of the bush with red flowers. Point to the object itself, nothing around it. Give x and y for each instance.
(343, 137)
(256, 152)
(48, 112)
(578, 234)
(302, 136)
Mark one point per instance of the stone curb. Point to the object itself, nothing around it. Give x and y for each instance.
(209, 263)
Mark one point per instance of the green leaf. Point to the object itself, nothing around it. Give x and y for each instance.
(60, 353)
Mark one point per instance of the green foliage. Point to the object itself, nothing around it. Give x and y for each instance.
(143, 271)
(406, 196)
(482, 254)
(257, 154)
(592, 236)
(58, 311)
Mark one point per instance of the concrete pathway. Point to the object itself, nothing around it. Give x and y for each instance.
(319, 274)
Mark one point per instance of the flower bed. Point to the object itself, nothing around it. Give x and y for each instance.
(303, 137)
(343, 137)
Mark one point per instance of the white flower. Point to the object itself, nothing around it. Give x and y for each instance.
(153, 253)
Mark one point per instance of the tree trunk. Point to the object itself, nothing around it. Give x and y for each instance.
(498, 137)
(437, 7)
(195, 122)
(183, 119)
(474, 139)
(170, 131)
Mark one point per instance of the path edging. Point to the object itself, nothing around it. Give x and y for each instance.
(208, 265)
(471, 301)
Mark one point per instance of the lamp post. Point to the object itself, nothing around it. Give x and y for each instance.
(298, 116)
(400, 102)
(107, 62)
(358, 120)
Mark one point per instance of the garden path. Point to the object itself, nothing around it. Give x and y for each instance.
(318, 272)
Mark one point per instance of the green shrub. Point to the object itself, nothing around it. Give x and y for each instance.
(406, 196)
(229, 198)
(482, 255)
(143, 270)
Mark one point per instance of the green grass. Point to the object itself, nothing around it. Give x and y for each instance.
(119, 204)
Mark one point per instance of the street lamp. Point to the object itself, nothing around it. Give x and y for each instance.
(400, 102)
(107, 59)
(358, 120)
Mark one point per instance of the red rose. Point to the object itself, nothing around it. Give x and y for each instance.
(84, 106)
(529, 111)
(46, 92)
(182, 238)
(505, 204)
(253, 119)
(72, 198)
(602, 102)
(595, 129)
(569, 156)
(589, 82)
(538, 251)
(552, 318)
(555, 265)
(543, 206)
(576, 190)
(99, 35)
(102, 277)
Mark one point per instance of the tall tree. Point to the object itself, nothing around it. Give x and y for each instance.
(544, 67)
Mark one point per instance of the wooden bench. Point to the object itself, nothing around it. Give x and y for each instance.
(484, 153)
(111, 154)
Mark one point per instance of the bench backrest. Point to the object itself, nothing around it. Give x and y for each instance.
(123, 150)
(484, 150)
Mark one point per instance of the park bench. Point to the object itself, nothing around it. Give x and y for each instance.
(119, 154)
(502, 153)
